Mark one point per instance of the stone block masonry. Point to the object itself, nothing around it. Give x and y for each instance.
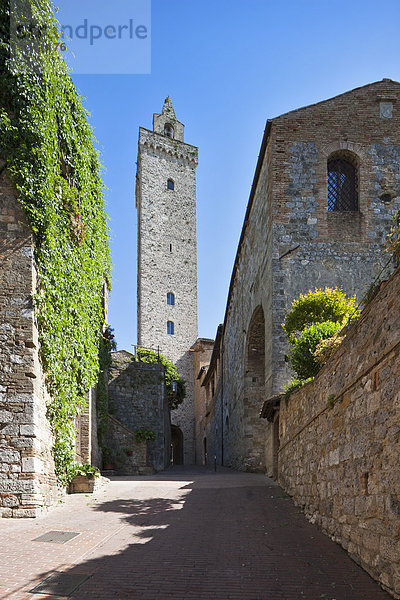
(167, 253)
(27, 478)
(340, 441)
(292, 242)
(138, 399)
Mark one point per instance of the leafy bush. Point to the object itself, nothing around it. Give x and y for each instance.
(319, 306)
(85, 470)
(175, 398)
(302, 357)
(144, 435)
(327, 347)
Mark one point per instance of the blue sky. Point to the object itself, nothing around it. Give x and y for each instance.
(228, 66)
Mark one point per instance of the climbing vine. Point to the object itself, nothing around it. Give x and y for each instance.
(176, 385)
(46, 146)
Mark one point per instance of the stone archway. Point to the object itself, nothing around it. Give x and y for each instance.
(177, 445)
(254, 393)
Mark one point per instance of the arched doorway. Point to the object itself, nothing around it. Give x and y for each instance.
(254, 430)
(177, 445)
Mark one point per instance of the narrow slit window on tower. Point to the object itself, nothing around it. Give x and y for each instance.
(342, 182)
(170, 184)
(170, 328)
(171, 298)
(170, 247)
(168, 130)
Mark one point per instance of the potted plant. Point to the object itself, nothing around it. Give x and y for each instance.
(108, 459)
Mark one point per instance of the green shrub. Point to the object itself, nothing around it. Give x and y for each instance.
(302, 357)
(175, 398)
(144, 435)
(327, 347)
(319, 306)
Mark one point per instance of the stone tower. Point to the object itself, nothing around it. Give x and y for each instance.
(167, 255)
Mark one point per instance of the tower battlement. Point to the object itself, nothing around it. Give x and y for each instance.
(167, 252)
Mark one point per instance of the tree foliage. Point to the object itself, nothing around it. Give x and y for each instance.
(318, 306)
(47, 147)
(316, 316)
(302, 358)
(175, 397)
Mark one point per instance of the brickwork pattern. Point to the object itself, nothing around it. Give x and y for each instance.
(341, 464)
(187, 534)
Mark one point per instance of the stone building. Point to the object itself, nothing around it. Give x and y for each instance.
(202, 350)
(326, 186)
(27, 476)
(138, 399)
(167, 257)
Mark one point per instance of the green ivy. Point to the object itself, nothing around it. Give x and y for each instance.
(47, 145)
(172, 378)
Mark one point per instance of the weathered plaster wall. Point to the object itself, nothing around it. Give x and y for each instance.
(137, 397)
(27, 479)
(341, 464)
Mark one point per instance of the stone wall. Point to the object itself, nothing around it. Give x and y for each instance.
(137, 398)
(27, 478)
(291, 242)
(341, 463)
(132, 456)
(167, 253)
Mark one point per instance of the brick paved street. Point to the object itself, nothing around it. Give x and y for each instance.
(187, 533)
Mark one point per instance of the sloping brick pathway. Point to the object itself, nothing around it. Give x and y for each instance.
(184, 534)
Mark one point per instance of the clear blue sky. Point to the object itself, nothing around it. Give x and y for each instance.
(228, 66)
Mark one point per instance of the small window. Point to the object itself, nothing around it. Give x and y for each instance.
(170, 328)
(342, 182)
(170, 247)
(171, 299)
(168, 130)
(170, 184)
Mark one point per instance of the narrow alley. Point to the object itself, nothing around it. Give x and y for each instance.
(187, 533)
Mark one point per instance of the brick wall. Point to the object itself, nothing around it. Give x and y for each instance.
(341, 464)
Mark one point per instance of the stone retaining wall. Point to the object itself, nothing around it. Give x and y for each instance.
(341, 462)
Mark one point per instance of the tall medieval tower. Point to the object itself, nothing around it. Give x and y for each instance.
(167, 256)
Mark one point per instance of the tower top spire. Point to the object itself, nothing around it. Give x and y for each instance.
(166, 122)
(168, 108)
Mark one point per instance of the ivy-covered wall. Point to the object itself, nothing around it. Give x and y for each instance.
(48, 160)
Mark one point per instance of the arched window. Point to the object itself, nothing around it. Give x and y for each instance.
(171, 299)
(342, 182)
(168, 130)
(170, 328)
(170, 184)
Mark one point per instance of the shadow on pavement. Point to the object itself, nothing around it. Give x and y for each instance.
(198, 535)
